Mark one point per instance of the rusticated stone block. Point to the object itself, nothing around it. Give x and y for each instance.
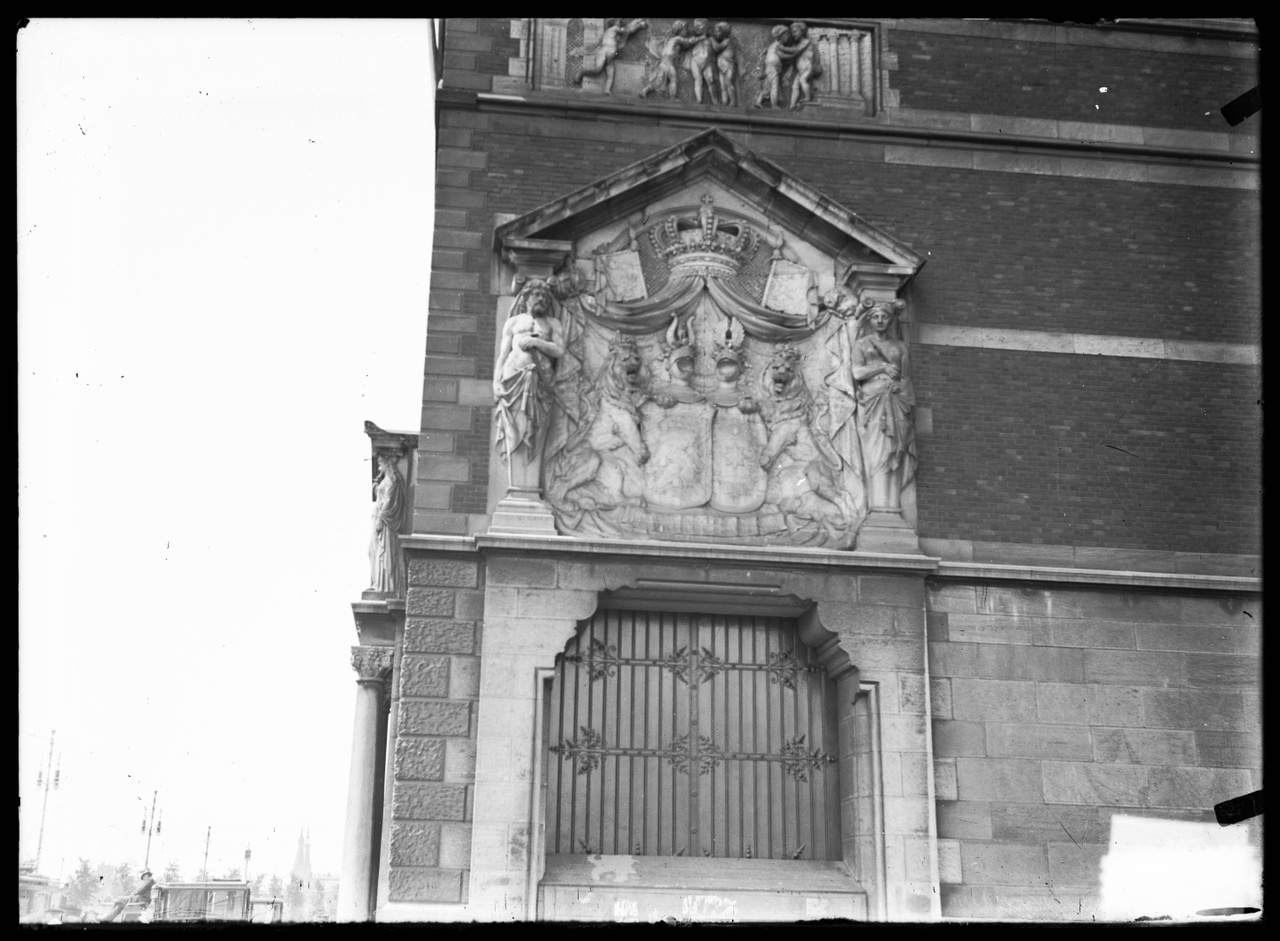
(415, 844)
(468, 604)
(999, 779)
(1135, 667)
(436, 635)
(1016, 902)
(1072, 864)
(460, 760)
(1041, 823)
(1199, 710)
(425, 885)
(424, 676)
(944, 779)
(1003, 864)
(429, 603)
(1200, 638)
(1012, 662)
(1018, 740)
(523, 573)
(434, 717)
(455, 845)
(903, 591)
(1078, 782)
(443, 573)
(430, 802)
(1222, 670)
(964, 820)
(1144, 746)
(1197, 788)
(1078, 704)
(1229, 749)
(992, 700)
(419, 759)
(954, 738)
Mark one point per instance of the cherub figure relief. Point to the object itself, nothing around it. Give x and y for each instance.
(726, 53)
(616, 33)
(805, 65)
(667, 78)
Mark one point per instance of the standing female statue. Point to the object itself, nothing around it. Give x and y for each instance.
(384, 544)
(532, 341)
(886, 404)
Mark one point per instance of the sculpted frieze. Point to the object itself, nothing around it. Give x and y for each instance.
(710, 63)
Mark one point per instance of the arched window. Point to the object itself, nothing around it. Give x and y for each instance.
(678, 734)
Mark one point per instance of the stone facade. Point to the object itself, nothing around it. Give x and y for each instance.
(1042, 624)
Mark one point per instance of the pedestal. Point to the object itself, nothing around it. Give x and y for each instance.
(887, 531)
(522, 511)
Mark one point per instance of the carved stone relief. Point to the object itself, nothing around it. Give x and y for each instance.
(721, 64)
(685, 380)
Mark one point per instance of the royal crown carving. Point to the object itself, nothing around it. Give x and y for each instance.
(704, 240)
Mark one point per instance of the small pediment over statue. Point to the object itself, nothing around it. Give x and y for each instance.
(714, 375)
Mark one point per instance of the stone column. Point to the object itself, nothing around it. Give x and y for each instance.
(372, 666)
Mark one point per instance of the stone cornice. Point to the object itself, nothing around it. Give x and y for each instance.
(875, 129)
(982, 571)
(932, 566)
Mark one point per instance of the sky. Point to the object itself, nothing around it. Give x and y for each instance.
(224, 234)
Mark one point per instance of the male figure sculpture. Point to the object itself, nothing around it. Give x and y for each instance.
(616, 34)
(666, 78)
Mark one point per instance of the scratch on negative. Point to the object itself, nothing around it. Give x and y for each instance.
(1067, 832)
(1121, 450)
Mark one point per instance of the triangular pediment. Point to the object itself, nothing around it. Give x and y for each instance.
(711, 159)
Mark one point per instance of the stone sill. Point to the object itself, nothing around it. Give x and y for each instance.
(890, 126)
(708, 874)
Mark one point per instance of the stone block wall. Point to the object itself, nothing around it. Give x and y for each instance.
(1060, 709)
(434, 758)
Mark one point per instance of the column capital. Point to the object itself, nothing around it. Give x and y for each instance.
(372, 663)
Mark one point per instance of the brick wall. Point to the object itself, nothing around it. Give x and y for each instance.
(1089, 450)
(1056, 710)
(1019, 450)
(1061, 82)
(438, 675)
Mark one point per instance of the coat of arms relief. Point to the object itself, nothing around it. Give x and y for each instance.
(697, 372)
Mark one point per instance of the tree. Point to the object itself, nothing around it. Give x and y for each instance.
(172, 873)
(295, 900)
(275, 888)
(256, 885)
(83, 887)
(123, 879)
(232, 873)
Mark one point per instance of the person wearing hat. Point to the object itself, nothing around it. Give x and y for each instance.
(142, 894)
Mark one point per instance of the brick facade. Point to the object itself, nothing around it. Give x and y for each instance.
(1088, 593)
